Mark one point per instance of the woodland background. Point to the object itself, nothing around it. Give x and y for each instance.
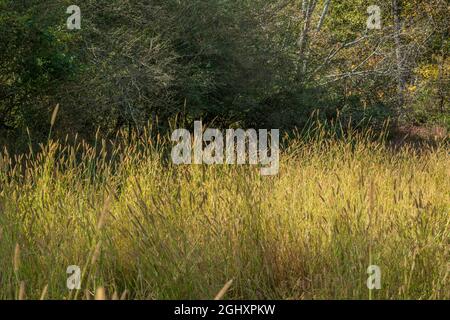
(258, 63)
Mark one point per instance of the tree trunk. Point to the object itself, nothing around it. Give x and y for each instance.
(324, 13)
(441, 81)
(308, 9)
(401, 82)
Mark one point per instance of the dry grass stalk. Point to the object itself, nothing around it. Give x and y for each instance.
(100, 294)
(124, 295)
(97, 252)
(16, 260)
(44, 292)
(224, 290)
(22, 290)
(54, 114)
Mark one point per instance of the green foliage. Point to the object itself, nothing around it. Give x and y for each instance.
(35, 58)
(229, 62)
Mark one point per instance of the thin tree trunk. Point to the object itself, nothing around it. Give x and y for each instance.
(304, 8)
(308, 9)
(324, 13)
(441, 82)
(401, 82)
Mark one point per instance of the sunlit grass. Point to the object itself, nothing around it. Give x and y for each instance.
(134, 222)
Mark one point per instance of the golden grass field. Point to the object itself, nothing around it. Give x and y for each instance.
(142, 228)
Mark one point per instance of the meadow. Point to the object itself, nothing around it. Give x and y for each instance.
(140, 227)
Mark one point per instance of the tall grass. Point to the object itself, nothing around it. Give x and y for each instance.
(142, 228)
